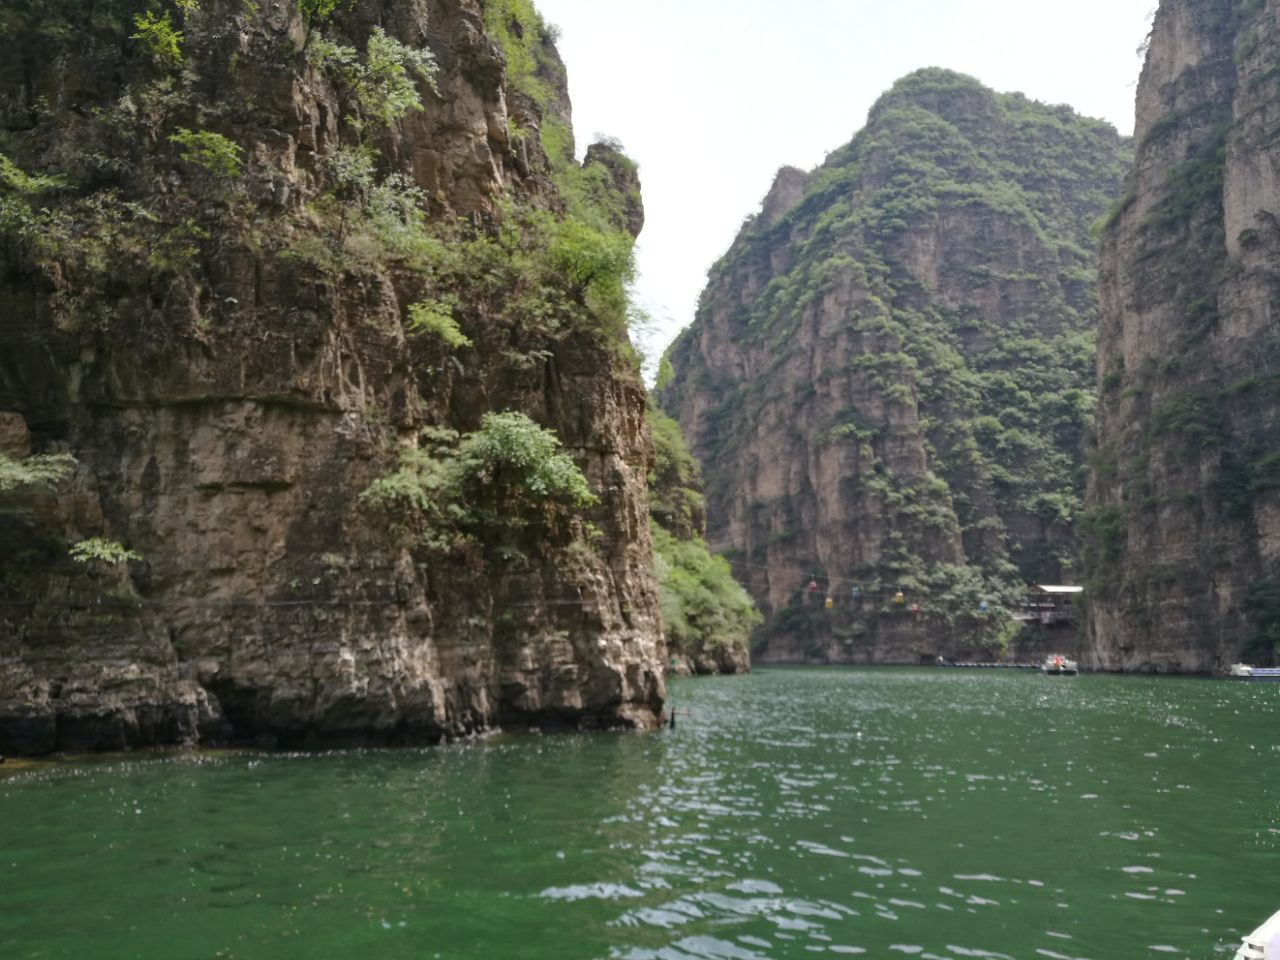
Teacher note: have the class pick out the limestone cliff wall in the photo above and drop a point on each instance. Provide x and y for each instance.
(889, 377)
(1185, 489)
(227, 412)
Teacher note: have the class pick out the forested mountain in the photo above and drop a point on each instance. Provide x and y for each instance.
(890, 377)
(318, 419)
(1184, 547)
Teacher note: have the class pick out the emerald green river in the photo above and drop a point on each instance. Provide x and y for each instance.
(792, 813)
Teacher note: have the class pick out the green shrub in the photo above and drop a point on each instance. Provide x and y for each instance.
(100, 550)
(385, 83)
(385, 86)
(598, 262)
(354, 173)
(158, 36)
(675, 484)
(212, 152)
(452, 489)
(435, 317)
(420, 498)
(703, 607)
(13, 178)
(42, 472)
(510, 454)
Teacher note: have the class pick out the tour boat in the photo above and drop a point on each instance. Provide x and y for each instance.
(1263, 943)
(1058, 665)
(1242, 671)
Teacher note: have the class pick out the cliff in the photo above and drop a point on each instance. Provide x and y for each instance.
(1184, 552)
(890, 375)
(267, 271)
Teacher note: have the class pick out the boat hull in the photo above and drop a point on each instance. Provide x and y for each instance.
(1057, 665)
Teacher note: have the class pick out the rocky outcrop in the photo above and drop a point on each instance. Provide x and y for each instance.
(890, 375)
(724, 661)
(229, 359)
(1184, 557)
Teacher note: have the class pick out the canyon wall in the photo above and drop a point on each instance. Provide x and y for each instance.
(1184, 526)
(234, 352)
(890, 376)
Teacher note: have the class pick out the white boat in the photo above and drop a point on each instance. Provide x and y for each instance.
(1059, 666)
(1242, 671)
(1263, 943)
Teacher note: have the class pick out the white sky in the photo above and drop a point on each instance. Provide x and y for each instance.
(711, 97)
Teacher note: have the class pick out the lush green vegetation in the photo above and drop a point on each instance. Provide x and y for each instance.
(435, 317)
(384, 84)
(17, 181)
(515, 461)
(42, 472)
(160, 38)
(518, 28)
(590, 244)
(675, 484)
(316, 14)
(552, 273)
(83, 239)
(451, 489)
(703, 607)
(101, 550)
(210, 151)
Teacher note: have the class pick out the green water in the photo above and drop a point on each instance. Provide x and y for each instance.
(795, 813)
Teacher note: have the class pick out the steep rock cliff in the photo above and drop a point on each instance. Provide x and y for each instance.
(1184, 553)
(245, 273)
(890, 374)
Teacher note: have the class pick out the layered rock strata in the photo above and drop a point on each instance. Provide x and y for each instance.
(1184, 557)
(890, 375)
(228, 400)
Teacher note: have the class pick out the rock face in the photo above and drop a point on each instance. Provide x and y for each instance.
(1184, 557)
(241, 371)
(891, 371)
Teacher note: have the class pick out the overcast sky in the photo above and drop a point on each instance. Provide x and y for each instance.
(711, 97)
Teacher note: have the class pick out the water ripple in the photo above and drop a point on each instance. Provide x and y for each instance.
(874, 813)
